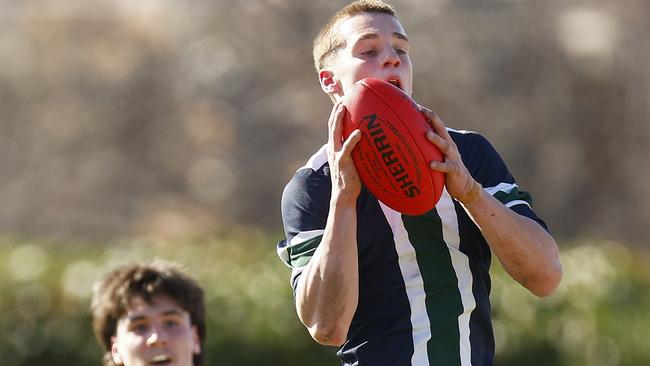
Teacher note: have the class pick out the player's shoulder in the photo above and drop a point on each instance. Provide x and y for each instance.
(465, 135)
(312, 177)
(317, 161)
(314, 168)
(478, 154)
(470, 142)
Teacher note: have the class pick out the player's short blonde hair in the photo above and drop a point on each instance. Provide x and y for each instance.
(328, 42)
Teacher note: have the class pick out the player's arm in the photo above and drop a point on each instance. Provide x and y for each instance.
(328, 289)
(526, 250)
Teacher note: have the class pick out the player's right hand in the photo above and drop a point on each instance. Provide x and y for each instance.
(346, 184)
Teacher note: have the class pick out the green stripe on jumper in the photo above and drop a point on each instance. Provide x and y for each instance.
(514, 195)
(300, 254)
(443, 301)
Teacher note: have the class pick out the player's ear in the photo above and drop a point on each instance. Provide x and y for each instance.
(117, 359)
(196, 340)
(329, 83)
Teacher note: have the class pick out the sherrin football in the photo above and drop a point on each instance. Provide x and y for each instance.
(393, 155)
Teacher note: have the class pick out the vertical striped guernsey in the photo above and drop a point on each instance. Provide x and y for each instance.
(423, 280)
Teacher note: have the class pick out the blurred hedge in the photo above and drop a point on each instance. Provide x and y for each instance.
(599, 315)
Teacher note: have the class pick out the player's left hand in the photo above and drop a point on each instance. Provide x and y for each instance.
(459, 182)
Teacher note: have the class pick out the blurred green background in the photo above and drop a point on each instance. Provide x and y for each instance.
(167, 129)
(599, 315)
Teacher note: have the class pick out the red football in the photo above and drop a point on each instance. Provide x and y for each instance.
(393, 155)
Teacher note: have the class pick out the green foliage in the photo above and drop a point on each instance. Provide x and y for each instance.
(598, 316)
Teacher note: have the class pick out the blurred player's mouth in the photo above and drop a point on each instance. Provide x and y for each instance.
(395, 81)
(160, 360)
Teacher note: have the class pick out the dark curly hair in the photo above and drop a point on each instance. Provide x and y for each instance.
(112, 297)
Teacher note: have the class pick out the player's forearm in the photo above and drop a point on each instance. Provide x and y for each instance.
(527, 252)
(328, 289)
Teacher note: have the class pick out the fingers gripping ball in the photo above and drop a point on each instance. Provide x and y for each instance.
(393, 155)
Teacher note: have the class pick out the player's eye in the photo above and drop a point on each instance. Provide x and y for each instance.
(170, 323)
(139, 327)
(400, 51)
(369, 52)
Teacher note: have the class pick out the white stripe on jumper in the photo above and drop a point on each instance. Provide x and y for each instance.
(506, 188)
(317, 160)
(502, 187)
(460, 262)
(414, 285)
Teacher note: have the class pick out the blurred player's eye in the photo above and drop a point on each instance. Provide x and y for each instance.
(170, 323)
(139, 327)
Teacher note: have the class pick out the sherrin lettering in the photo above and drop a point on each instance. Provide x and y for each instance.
(389, 157)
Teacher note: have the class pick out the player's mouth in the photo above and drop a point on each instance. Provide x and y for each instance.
(395, 81)
(160, 360)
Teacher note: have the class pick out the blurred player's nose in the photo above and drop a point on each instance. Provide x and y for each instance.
(156, 337)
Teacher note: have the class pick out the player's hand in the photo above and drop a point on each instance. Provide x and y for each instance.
(459, 182)
(346, 183)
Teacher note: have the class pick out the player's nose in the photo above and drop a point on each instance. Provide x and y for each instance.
(391, 58)
(156, 337)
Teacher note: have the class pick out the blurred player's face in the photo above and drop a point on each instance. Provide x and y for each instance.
(159, 333)
(375, 46)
